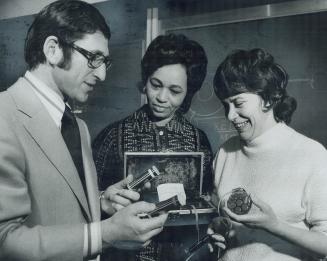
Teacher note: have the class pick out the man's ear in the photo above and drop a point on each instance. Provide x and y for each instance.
(52, 51)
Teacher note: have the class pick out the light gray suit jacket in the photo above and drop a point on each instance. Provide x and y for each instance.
(42, 202)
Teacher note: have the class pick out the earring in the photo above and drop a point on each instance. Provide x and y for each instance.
(266, 106)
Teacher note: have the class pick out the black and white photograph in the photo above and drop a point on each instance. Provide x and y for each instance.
(163, 130)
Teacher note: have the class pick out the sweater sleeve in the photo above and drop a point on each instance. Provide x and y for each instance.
(315, 198)
(106, 156)
(315, 191)
(219, 162)
(207, 164)
(217, 166)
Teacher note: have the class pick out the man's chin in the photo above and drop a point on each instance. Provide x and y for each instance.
(82, 98)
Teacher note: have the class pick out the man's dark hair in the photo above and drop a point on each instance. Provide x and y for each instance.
(68, 21)
(177, 49)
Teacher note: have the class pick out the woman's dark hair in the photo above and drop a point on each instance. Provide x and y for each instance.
(177, 49)
(256, 72)
(69, 21)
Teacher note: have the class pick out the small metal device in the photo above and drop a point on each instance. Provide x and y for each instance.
(172, 203)
(239, 201)
(147, 176)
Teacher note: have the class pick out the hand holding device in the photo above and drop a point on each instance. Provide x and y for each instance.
(220, 225)
(125, 229)
(239, 201)
(147, 176)
(172, 203)
(117, 196)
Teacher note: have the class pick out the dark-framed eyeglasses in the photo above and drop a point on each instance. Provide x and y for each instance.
(94, 60)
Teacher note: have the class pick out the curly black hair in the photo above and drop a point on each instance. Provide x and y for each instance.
(177, 49)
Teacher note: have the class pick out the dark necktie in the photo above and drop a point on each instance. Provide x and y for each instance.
(72, 138)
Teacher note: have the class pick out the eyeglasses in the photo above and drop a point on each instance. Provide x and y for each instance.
(94, 60)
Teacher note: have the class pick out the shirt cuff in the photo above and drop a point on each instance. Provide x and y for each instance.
(92, 239)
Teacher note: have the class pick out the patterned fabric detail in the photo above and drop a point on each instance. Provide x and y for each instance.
(138, 133)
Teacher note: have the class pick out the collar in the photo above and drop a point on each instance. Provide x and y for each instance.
(269, 140)
(53, 103)
(143, 120)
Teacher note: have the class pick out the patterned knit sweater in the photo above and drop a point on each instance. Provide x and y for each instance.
(284, 169)
(137, 133)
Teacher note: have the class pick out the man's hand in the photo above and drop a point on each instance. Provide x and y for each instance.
(126, 230)
(117, 196)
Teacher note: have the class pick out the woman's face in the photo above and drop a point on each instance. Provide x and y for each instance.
(166, 89)
(249, 115)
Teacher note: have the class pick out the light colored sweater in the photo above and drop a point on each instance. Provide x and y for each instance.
(286, 170)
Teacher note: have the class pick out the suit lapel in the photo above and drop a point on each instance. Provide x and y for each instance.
(90, 173)
(46, 134)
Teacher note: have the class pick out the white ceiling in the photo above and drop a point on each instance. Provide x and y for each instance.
(15, 8)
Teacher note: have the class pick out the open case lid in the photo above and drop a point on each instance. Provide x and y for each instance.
(174, 167)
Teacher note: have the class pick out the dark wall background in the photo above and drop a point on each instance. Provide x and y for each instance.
(118, 95)
(297, 42)
(12, 36)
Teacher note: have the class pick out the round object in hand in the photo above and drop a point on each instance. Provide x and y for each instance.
(239, 201)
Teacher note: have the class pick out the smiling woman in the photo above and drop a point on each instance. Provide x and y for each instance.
(252, 88)
(173, 69)
(249, 115)
(284, 171)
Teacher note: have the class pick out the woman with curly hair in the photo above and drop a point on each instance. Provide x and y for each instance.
(173, 70)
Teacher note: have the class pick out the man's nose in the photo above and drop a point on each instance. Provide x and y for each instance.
(101, 72)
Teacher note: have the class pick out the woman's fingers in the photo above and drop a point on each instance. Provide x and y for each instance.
(217, 238)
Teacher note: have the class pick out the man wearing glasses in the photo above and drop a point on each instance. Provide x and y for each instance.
(49, 201)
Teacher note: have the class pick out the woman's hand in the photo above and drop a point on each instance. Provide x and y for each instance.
(216, 240)
(261, 216)
(221, 233)
(116, 196)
